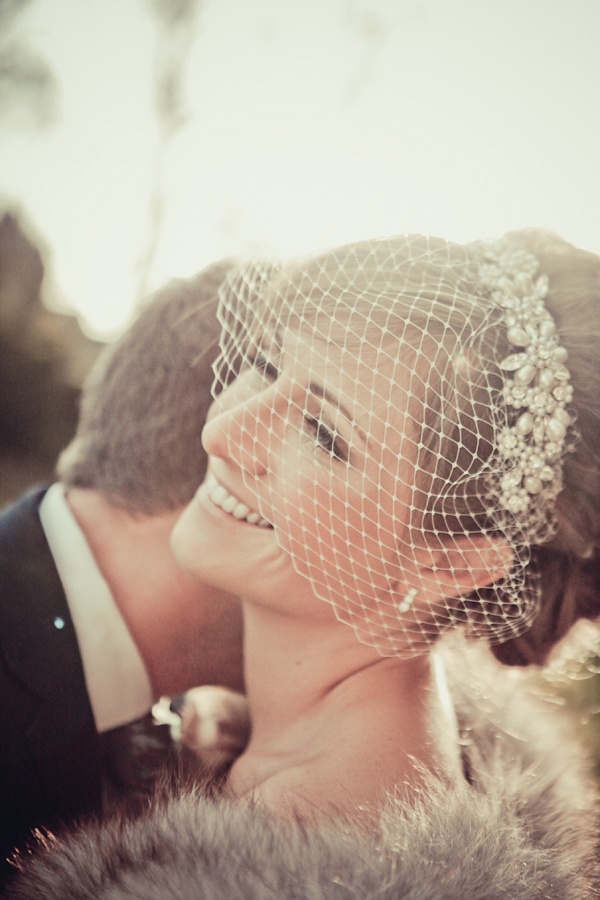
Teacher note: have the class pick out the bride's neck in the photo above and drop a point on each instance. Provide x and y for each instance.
(293, 664)
(317, 694)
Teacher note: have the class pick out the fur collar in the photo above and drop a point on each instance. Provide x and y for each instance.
(522, 827)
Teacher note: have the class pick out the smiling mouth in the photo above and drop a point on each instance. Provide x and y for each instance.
(230, 504)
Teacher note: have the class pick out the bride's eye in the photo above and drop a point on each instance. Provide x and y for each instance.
(326, 440)
(263, 366)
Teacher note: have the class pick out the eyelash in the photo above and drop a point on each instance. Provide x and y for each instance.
(325, 440)
(260, 362)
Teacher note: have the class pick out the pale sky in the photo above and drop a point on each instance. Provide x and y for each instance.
(309, 123)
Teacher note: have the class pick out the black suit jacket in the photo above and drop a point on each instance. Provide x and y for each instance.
(49, 751)
(54, 767)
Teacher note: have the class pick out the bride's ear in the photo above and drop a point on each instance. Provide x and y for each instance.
(459, 565)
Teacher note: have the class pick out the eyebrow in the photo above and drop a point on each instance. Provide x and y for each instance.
(320, 392)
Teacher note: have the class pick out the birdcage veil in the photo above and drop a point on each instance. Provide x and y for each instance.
(415, 391)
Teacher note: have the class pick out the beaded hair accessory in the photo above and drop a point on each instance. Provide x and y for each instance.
(537, 381)
(399, 417)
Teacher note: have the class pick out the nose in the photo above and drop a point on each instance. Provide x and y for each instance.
(244, 431)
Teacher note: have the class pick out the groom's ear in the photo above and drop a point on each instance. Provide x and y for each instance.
(459, 565)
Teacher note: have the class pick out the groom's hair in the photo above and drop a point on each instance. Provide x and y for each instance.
(145, 401)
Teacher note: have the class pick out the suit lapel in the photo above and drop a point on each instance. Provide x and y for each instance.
(40, 648)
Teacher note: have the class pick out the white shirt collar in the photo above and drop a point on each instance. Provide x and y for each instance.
(117, 682)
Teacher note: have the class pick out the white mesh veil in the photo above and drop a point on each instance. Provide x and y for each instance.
(399, 410)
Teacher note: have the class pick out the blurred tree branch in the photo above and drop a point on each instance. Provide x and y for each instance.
(176, 21)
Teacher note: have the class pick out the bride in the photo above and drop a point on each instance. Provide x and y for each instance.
(382, 468)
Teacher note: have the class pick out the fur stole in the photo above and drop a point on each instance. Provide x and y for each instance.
(522, 825)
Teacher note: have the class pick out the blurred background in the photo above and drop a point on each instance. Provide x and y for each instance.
(143, 139)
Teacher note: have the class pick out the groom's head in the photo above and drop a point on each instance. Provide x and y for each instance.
(144, 403)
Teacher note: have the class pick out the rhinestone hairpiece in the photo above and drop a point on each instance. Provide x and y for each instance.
(537, 384)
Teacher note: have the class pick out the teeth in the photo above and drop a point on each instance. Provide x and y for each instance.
(230, 504)
(241, 511)
(218, 494)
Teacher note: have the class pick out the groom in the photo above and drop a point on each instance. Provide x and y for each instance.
(96, 619)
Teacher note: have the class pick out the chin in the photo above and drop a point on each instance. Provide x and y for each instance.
(226, 558)
(188, 542)
(236, 557)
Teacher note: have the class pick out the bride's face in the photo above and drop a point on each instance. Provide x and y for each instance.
(303, 493)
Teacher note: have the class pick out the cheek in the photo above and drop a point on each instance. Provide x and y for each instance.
(341, 540)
